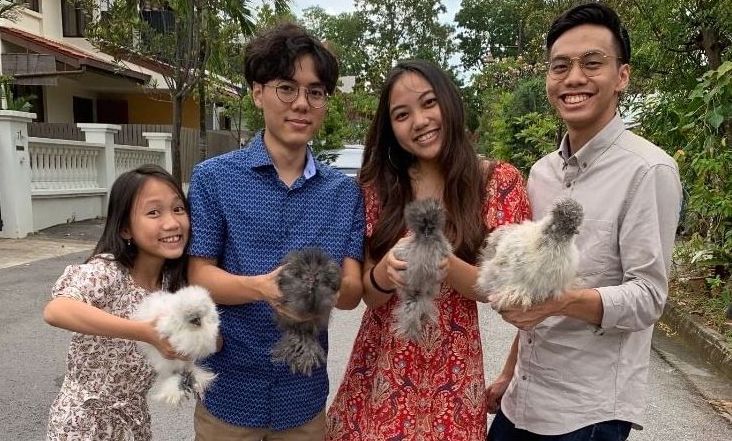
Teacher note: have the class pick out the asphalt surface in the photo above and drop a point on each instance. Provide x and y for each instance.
(33, 365)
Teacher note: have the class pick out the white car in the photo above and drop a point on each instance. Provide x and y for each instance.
(348, 159)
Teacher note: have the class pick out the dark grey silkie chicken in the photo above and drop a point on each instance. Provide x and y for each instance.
(529, 263)
(309, 283)
(424, 253)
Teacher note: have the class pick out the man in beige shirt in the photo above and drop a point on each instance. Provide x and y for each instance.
(578, 366)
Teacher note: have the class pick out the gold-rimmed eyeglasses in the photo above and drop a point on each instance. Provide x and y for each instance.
(287, 92)
(591, 63)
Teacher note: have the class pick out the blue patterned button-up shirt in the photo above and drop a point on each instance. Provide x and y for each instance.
(247, 219)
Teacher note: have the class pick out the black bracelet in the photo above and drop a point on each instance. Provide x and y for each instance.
(376, 285)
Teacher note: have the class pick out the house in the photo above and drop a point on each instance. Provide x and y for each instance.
(73, 82)
(94, 119)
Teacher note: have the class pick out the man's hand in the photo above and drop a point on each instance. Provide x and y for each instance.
(270, 291)
(531, 317)
(267, 287)
(494, 392)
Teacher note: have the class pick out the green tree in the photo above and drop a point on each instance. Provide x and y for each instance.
(182, 48)
(490, 29)
(344, 34)
(399, 29)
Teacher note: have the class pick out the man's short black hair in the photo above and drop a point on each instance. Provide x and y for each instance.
(596, 14)
(273, 55)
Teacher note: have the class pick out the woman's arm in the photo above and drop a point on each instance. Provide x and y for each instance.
(351, 291)
(462, 276)
(494, 392)
(387, 274)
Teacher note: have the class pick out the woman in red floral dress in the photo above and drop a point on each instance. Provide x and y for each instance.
(417, 148)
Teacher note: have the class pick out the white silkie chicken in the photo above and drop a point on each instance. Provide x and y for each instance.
(189, 320)
(529, 263)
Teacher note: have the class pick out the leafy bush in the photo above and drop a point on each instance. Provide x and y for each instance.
(697, 129)
(21, 103)
(518, 126)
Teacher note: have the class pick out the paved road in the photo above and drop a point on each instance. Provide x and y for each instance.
(33, 367)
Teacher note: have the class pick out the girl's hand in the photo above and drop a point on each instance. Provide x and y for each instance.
(162, 344)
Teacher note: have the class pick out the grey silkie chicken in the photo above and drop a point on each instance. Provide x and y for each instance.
(309, 283)
(424, 252)
(529, 263)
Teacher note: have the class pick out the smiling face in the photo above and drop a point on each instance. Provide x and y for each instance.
(290, 125)
(587, 104)
(158, 224)
(416, 118)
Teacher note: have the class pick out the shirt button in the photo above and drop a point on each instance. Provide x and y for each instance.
(568, 184)
(530, 341)
(523, 377)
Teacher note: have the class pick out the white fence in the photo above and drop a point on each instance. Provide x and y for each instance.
(58, 165)
(46, 182)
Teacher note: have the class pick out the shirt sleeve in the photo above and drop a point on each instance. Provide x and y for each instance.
(89, 282)
(356, 239)
(207, 222)
(645, 238)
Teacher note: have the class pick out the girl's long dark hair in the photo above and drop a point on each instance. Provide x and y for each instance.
(386, 168)
(121, 201)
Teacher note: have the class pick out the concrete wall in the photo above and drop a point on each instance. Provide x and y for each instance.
(151, 108)
(45, 182)
(28, 20)
(51, 10)
(59, 99)
(54, 210)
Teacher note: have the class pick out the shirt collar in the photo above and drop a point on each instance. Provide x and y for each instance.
(259, 156)
(595, 146)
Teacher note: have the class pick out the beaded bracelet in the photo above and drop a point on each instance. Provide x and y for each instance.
(376, 285)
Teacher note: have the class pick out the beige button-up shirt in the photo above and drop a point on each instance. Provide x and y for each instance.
(570, 374)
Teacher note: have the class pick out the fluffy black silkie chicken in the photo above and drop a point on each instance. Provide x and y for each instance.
(309, 283)
(529, 263)
(423, 252)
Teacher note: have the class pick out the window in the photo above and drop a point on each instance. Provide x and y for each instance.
(34, 95)
(83, 110)
(159, 17)
(73, 18)
(33, 5)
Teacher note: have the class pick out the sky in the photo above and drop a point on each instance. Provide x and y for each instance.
(338, 6)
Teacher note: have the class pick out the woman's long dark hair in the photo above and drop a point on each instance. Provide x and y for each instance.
(122, 198)
(386, 168)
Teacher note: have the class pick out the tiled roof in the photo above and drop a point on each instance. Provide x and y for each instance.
(65, 53)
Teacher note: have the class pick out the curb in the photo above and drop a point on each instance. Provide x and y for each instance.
(710, 344)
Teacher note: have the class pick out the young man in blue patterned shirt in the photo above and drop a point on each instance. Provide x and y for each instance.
(249, 208)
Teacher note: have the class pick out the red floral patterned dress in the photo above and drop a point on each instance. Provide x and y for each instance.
(394, 389)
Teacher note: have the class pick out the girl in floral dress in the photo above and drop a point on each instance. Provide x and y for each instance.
(417, 148)
(141, 250)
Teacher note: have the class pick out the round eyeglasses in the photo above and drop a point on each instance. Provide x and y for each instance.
(288, 92)
(592, 64)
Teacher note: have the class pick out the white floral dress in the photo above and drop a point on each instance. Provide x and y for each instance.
(107, 379)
